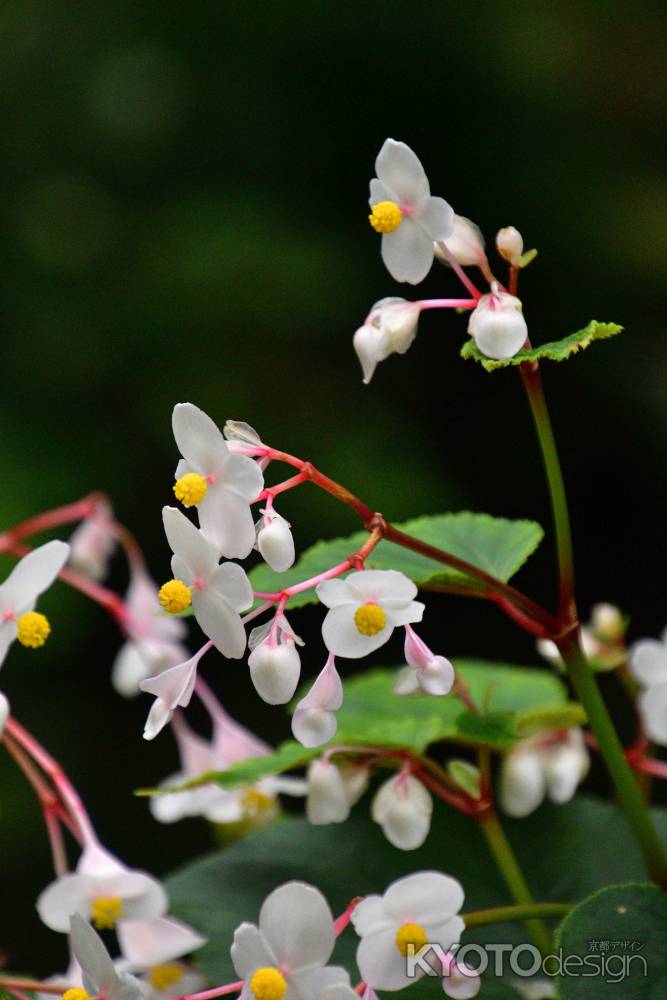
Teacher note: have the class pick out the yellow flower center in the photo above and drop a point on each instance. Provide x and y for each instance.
(268, 984)
(161, 977)
(370, 619)
(105, 911)
(385, 217)
(190, 489)
(76, 993)
(410, 934)
(255, 802)
(33, 629)
(174, 596)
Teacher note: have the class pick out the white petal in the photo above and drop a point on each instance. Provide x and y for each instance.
(250, 951)
(400, 170)
(297, 923)
(128, 670)
(313, 727)
(4, 711)
(522, 783)
(220, 623)
(188, 543)
(565, 766)
(498, 325)
(142, 895)
(403, 807)
(380, 962)
(276, 544)
(406, 681)
(408, 614)
(151, 942)
(67, 895)
(99, 974)
(334, 593)
(226, 521)
(275, 670)
(174, 686)
(437, 218)
(339, 991)
(653, 708)
(382, 586)
(371, 346)
(438, 677)
(370, 915)
(427, 897)
(343, 638)
(230, 581)
(466, 244)
(327, 691)
(8, 631)
(33, 575)
(157, 719)
(648, 661)
(199, 439)
(408, 252)
(314, 984)
(244, 476)
(173, 807)
(328, 801)
(379, 192)
(461, 983)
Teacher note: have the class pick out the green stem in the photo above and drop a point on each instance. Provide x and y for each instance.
(532, 380)
(627, 788)
(511, 872)
(504, 914)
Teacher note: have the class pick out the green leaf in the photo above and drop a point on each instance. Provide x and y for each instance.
(624, 926)
(496, 729)
(494, 544)
(555, 350)
(559, 848)
(561, 717)
(466, 776)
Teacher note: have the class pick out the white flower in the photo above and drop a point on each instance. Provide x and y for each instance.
(102, 890)
(171, 980)
(145, 943)
(550, 764)
(389, 328)
(314, 722)
(153, 637)
(4, 711)
(466, 244)
(418, 909)
(18, 595)
(172, 689)
(98, 973)
(403, 808)
(215, 480)
(93, 542)
(648, 664)
(406, 214)
(274, 541)
(509, 244)
(497, 325)
(218, 592)
(434, 674)
(285, 957)
(333, 790)
(366, 607)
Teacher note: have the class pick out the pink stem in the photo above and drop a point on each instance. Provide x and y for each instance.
(218, 991)
(49, 519)
(458, 270)
(649, 765)
(14, 985)
(287, 484)
(448, 303)
(341, 922)
(288, 592)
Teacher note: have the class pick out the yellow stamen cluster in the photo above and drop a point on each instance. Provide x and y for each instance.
(190, 489)
(385, 217)
(174, 596)
(268, 984)
(161, 977)
(370, 619)
(410, 934)
(76, 993)
(255, 802)
(33, 629)
(105, 911)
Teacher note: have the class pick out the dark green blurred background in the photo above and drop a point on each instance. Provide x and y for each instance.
(184, 218)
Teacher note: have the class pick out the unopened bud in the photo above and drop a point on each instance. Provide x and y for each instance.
(92, 544)
(607, 622)
(498, 326)
(314, 722)
(328, 800)
(238, 430)
(403, 808)
(390, 328)
(274, 670)
(275, 542)
(509, 244)
(466, 244)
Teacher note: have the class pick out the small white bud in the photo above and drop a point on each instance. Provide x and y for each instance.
(275, 542)
(328, 800)
(466, 244)
(403, 808)
(390, 328)
(314, 722)
(509, 244)
(607, 622)
(498, 326)
(371, 345)
(522, 782)
(238, 430)
(93, 543)
(275, 670)
(566, 766)
(435, 674)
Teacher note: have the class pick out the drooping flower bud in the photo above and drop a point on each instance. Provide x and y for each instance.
(403, 808)
(389, 328)
(274, 541)
(314, 722)
(498, 326)
(274, 669)
(459, 981)
(509, 244)
(238, 430)
(466, 244)
(333, 790)
(607, 622)
(93, 542)
(435, 674)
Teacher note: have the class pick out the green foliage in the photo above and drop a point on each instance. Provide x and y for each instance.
(636, 914)
(555, 350)
(559, 848)
(494, 544)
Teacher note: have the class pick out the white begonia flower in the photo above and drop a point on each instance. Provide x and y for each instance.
(146, 943)
(218, 482)
(466, 244)
(4, 711)
(550, 764)
(274, 541)
(284, 958)
(154, 639)
(497, 325)
(333, 790)
(648, 664)
(171, 980)
(365, 608)
(509, 244)
(99, 976)
(275, 668)
(434, 674)
(416, 910)
(18, 595)
(218, 592)
(94, 541)
(389, 328)
(405, 213)
(314, 722)
(403, 807)
(103, 890)
(172, 689)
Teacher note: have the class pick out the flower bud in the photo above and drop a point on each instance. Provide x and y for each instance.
(275, 542)
(92, 544)
(466, 244)
(238, 430)
(403, 808)
(328, 800)
(566, 766)
(498, 326)
(390, 328)
(371, 345)
(314, 722)
(459, 981)
(509, 244)
(435, 674)
(4, 711)
(522, 782)
(274, 670)
(607, 622)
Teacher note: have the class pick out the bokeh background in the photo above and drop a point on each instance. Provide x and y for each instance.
(184, 218)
